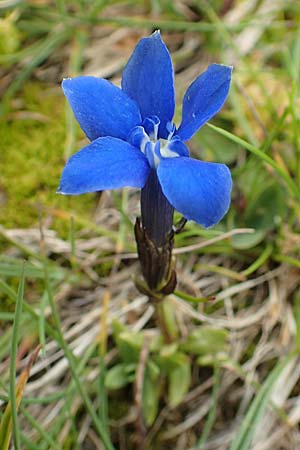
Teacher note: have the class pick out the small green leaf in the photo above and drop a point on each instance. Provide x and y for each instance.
(247, 240)
(156, 343)
(169, 358)
(267, 209)
(166, 314)
(117, 328)
(153, 368)
(168, 350)
(215, 359)
(150, 398)
(205, 341)
(179, 381)
(129, 345)
(117, 376)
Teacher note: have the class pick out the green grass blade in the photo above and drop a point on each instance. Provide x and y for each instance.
(49, 44)
(7, 316)
(13, 359)
(41, 322)
(103, 406)
(213, 409)
(243, 439)
(259, 261)
(28, 444)
(9, 421)
(262, 156)
(44, 435)
(99, 425)
(190, 298)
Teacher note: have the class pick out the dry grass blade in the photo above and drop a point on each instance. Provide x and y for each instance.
(6, 421)
(227, 235)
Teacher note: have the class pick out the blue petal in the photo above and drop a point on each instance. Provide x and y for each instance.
(138, 138)
(176, 145)
(106, 163)
(148, 78)
(203, 99)
(151, 126)
(101, 108)
(198, 190)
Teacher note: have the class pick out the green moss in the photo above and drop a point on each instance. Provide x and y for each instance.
(31, 159)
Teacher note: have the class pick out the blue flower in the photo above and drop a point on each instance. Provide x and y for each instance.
(132, 133)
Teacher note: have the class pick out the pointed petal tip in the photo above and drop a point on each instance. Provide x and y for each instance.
(229, 69)
(156, 35)
(222, 67)
(66, 85)
(66, 81)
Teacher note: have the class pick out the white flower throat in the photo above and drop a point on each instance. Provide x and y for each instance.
(146, 138)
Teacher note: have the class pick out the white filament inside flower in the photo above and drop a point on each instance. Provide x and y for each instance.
(145, 137)
(154, 149)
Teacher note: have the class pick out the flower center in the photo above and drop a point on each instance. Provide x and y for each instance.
(146, 138)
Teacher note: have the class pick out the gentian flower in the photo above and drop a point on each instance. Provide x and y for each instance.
(135, 143)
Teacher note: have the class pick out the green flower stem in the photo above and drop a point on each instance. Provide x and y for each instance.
(166, 319)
